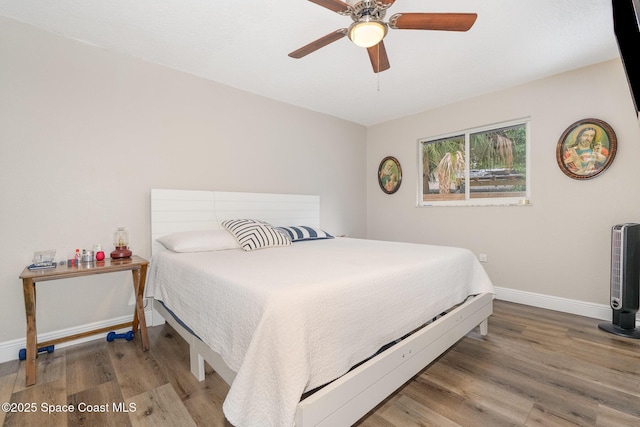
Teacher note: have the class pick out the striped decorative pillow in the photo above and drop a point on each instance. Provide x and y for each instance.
(253, 234)
(300, 233)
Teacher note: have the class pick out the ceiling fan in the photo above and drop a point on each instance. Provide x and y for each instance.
(368, 28)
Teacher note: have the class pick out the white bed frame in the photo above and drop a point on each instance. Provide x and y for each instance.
(344, 401)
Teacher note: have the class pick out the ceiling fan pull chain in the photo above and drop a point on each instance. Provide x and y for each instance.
(378, 73)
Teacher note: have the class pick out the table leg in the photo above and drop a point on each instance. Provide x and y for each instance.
(136, 289)
(28, 287)
(139, 279)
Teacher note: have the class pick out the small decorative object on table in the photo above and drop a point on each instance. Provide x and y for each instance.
(43, 260)
(87, 256)
(121, 242)
(99, 252)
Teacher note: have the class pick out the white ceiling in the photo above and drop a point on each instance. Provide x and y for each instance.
(244, 44)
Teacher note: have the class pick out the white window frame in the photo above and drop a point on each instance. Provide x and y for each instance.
(468, 201)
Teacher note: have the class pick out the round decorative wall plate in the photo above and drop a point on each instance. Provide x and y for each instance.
(389, 175)
(586, 149)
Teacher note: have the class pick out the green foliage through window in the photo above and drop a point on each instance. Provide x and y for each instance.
(497, 165)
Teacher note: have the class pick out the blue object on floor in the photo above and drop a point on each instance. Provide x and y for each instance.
(127, 336)
(22, 354)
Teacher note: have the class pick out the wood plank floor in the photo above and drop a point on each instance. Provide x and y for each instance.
(535, 368)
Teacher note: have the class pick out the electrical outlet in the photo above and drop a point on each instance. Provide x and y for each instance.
(483, 258)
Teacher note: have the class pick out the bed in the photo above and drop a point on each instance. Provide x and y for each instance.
(280, 322)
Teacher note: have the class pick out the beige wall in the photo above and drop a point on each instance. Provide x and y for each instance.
(86, 133)
(560, 245)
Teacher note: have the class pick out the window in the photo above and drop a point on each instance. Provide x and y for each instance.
(496, 172)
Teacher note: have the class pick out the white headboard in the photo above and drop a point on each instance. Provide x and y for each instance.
(184, 210)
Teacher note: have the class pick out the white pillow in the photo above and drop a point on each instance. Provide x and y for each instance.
(199, 241)
(254, 234)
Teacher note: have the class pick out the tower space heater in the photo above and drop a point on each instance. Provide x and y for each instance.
(625, 280)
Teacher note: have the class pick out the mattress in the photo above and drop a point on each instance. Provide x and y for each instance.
(290, 319)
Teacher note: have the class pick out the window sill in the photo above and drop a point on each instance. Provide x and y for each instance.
(519, 203)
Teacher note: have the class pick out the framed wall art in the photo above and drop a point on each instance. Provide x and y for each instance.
(389, 175)
(586, 149)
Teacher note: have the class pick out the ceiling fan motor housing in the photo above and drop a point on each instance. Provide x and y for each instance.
(366, 10)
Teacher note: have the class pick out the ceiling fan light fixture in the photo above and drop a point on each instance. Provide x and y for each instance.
(367, 33)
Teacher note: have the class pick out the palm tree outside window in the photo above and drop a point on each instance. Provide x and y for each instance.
(478, 166)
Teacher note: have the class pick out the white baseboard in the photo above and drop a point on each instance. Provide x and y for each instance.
(581, 308)
(9, 350)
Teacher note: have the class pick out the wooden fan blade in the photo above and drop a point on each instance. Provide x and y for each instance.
(317, 44)
(378, 57)
(335, 5)
(433, 21)
(387, 3)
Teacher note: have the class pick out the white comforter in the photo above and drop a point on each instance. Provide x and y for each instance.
(290, 319)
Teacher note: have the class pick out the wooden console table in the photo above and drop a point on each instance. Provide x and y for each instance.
(135, 264)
